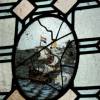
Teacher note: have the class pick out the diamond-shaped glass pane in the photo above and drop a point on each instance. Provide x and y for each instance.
(23, 9)
(15, 96)
(70, 95)
(64, 5)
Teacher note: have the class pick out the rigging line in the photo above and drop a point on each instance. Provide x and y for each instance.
(59, 29)
(46, 29)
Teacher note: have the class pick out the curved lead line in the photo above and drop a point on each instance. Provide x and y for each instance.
(46, 29)
(61, 60)
(59, 29)
(43, 49)
(66, 49)
(51, 30)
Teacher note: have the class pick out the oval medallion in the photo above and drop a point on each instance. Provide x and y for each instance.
(46, 58)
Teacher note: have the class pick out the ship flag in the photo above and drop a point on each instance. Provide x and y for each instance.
(43, 39)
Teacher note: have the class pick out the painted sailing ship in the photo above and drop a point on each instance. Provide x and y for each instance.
(51, 63)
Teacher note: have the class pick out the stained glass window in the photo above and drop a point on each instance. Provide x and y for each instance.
(49, 49)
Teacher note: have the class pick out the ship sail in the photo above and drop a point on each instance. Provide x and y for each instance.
(43, 54)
